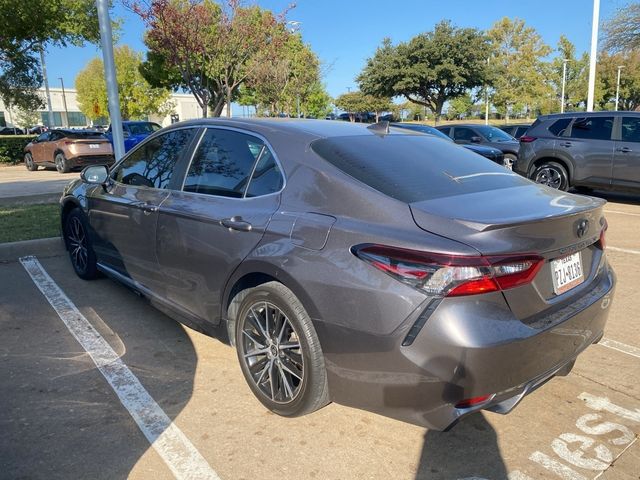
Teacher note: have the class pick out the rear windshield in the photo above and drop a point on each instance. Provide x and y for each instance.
(494, 134)
(81, 135)
(143, 128)
(413, 168)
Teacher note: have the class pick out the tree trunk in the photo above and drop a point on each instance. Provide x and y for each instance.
(216, 108)
(228, 100)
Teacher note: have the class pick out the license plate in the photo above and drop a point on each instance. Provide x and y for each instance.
(567, 273)
(94, 145)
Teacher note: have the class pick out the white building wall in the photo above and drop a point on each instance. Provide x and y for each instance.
(185, 108)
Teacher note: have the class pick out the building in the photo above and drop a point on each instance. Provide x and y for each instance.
(185, 108)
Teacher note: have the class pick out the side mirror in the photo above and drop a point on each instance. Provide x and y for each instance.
(95, 175)
(476, 139)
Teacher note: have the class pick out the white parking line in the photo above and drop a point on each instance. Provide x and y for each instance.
(167, 439)
(621, 347)
(623, 213)
(624, 250)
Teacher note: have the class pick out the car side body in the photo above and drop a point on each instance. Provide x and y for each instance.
(596, 150)
(68, 149)
(134, 132)
(198, 239)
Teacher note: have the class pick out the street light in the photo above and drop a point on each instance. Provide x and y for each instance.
(486, 92)
(620, 67)
(564, 81)
(64, 102)
(594, 52)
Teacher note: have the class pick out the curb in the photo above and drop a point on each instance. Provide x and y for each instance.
(37, 199)
(42, 247)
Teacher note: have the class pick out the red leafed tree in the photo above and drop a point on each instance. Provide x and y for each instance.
(207, 47)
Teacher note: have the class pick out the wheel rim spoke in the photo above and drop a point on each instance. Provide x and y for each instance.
(272, 353)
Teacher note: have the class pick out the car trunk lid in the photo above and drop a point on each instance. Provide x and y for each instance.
(531, 219)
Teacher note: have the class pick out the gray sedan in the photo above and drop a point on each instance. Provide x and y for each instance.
(376, 268)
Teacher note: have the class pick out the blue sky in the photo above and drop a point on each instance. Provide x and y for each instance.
(345, 33)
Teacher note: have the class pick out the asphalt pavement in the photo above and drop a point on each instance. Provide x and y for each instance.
(98, 384)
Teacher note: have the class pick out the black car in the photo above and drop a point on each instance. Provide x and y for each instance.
(11, 131)
(492, 154)
(583, 150)
(516, 130)
(484, 135)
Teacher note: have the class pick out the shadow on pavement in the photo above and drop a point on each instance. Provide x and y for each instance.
(469, 450)
(58, 415)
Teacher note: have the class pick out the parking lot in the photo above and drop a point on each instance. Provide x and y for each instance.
(62, 417)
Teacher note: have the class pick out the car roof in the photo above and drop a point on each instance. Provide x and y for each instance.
(306, 127)
(607, 113)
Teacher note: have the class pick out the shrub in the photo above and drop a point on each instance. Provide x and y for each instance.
(12, 148)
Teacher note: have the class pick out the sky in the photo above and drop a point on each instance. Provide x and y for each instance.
(344, 33)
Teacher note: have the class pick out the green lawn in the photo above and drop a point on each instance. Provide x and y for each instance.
(29, 221)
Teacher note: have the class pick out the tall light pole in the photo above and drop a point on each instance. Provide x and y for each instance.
(564, 81)
(106, 39)
(64, 102)
(486, 93)
(620, 67)
(46, 87)
(594, 53)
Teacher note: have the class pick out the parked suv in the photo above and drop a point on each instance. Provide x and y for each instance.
(68, 149)
(583, 150)
(484, 135)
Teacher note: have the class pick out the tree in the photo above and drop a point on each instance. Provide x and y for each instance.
(205, 48)
(460, 107)
(137, 98)
(26, 27)
(317, 103)
(430, 69)
(27, 118)
(577, 75)
(629, 79)
(358, 102)
(622, 31)
(518, 70)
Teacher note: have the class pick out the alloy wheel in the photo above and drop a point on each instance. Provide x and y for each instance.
(550, 177)
(77, 241)
(59, 164)
(271, 350)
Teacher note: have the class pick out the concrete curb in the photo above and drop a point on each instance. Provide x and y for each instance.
(42, 247)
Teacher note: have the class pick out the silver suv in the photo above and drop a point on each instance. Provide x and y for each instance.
(583, 150)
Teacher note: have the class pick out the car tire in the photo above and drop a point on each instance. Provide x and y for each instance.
(551, 174)
(279, 351)
(78, 242)
(29, 163)
(509, 160)
(62, 166)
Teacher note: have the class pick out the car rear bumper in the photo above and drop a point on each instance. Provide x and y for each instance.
(464, 350)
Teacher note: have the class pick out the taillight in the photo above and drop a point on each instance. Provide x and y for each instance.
(527, 139)
(603, 242)
(69, 142)
(451, 275)
(474, 402)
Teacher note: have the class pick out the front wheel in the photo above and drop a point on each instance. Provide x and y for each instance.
(76, 238)
(62, 166)
(551, 174)
(279, 351)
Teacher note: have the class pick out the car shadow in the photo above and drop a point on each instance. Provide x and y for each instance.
(469, 450)
(60, 418)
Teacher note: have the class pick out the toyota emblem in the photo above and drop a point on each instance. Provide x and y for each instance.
(583, 226)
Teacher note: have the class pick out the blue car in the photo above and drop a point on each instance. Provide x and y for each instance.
(134, 132)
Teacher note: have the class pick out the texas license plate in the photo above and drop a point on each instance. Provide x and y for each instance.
(567, 273)
(94, 145)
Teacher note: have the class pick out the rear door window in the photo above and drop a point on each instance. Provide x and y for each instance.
(560, 126)
(631, 129)
(446, 131)
(223, 163)
(463, 135)
(592, 128)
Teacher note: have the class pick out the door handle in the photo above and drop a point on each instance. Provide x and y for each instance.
(236, 223)
(147, 208)
(565, 144)
(624, 150)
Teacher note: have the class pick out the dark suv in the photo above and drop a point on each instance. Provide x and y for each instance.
(583, 150)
